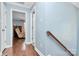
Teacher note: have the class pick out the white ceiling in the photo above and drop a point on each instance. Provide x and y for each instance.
(30, 4)
(76, 4)
(27, 4)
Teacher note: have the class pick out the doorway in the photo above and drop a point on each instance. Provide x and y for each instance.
(18, 25)
(18, 19)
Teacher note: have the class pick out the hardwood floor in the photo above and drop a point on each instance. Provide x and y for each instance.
(20, 49)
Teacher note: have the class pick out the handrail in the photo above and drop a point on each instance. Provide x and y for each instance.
(50, 34)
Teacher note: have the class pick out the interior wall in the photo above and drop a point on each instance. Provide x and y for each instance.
(18, 23)
(61, 20)
(78, 32)
(0, 26)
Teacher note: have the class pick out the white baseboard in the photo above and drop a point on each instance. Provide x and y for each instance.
(28, 42)
(39, 52)
(0, 53)
(8, 46)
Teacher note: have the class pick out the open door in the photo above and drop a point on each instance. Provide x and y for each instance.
(18, 31)
(3, 27)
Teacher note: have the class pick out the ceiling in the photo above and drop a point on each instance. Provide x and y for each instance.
(27, 4)
(76, 4)
(30, 4)
(18, 16)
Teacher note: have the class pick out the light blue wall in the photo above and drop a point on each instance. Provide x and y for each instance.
(18, 23)
(61, 20)
(0, 26)
(0, 31)
(8, 22)
(78, 32)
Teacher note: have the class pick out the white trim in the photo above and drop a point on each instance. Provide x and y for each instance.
(28, 43)
(39, 52)
(11, 28)
(33, 31)
(0, 53)
(19, 5)
(31, 27)
(26, 26)
(3, 27)
(8, 46)
(18, 10)
(13, 9)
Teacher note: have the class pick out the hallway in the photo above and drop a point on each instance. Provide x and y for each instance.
(39, 28)
(20, 49)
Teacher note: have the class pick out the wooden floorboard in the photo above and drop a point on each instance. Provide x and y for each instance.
(20, 49)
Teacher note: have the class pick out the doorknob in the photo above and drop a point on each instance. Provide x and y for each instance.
(3, 29)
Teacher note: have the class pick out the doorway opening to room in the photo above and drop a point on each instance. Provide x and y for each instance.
(20, 47)
(18, 19)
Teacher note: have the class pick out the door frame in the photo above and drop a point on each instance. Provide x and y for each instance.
(2, 40)
(25, 25)
(3, 28)
(33, 26)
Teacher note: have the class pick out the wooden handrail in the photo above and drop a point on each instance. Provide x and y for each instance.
(50, 34)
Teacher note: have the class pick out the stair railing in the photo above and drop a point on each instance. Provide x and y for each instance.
(64, 47)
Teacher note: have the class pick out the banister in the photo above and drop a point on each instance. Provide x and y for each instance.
(50, 34)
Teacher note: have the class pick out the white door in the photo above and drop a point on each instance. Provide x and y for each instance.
(3, 27)
(33, 27)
